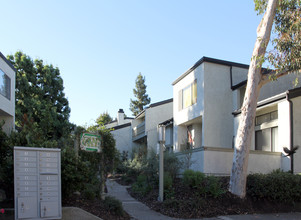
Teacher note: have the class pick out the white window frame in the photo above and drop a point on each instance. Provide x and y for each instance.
(270, 124)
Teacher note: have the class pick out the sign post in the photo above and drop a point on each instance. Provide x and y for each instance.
(92, 143)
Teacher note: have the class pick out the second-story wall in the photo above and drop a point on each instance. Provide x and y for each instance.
(217, 121)
(154, 115)
(7, 96)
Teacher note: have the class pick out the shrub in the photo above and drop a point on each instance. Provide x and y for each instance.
(171, 164)
(113, 205)
(75, 172)
(203, 185)
(276, 186)
(193, 178)
(214, 186)
(168, 183)
(141, 186)
(91, 191)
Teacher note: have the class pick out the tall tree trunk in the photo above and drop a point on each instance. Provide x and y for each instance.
(248, 110)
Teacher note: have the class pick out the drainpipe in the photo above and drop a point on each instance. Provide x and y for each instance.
(291, 121)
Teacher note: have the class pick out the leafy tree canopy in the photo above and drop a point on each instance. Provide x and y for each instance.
(41, 107)
(103, 119)
(286, 39)
(137, 106)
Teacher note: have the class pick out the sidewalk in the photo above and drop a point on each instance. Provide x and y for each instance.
(139, 211)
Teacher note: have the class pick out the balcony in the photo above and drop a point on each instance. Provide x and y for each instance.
(138, 131)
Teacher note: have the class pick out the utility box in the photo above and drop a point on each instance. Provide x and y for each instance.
(37, 178)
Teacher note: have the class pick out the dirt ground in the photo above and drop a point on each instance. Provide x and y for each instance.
(186, 203)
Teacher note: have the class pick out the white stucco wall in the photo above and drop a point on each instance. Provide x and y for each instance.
(217, 118)
(123, 138)
(239, 75)
(154, 116)
(7, 107)
(276, 87)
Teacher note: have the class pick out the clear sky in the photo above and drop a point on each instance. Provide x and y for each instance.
(100, 46)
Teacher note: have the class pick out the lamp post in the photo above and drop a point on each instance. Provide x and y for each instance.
(161, 138)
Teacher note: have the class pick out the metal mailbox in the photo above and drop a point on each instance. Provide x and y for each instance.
(37, 178)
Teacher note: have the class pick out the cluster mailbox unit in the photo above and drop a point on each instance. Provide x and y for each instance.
(37, 178)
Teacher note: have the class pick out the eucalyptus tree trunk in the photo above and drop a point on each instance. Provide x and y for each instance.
(248, 110)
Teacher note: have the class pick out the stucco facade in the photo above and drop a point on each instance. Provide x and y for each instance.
(144, 126)
(7, 94)
(121, 131)
(209, 121)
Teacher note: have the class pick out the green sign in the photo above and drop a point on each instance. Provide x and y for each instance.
(90, 142)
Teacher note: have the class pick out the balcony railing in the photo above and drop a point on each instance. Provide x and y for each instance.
(139, 130)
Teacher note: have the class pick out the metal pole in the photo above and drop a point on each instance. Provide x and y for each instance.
(161, 173)
(161, 138)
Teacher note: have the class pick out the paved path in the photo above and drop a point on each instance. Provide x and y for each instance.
(139, 211)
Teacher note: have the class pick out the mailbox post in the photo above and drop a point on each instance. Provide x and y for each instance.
(37, 178)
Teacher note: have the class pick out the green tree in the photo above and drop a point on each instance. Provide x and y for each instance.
(103, 119)
(42, 111)
(284, 18)
(136, 106)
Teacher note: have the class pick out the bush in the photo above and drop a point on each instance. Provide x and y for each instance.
(214, 186)
(209, 185)
(113, 205)
(168, 183)
(276, 186)
(91, 191)
(75, 173)
(193, 178)
(172, 164)
(141, 186)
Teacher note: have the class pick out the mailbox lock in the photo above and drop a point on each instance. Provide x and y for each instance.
(44, 210)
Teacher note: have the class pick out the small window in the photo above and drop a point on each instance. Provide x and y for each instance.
(266, 118)
(188, 96)
(4, 85)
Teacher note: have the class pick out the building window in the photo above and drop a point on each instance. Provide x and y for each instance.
(266, 139)
(266, 132)
(4, 85)
(266, 118)
(188, 95)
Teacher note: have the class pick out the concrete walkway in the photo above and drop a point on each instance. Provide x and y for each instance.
(139, 211)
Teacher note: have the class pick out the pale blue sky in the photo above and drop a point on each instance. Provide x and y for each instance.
(101, 46)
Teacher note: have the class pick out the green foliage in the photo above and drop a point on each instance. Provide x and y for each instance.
(6, 164)
(103, 119)
(142, 186)
(193, 178)
(136, 106)
(285, 55)
(214, 186)
(168, 186)
(113, 205)
(42, 111)
(172, 164)
(75, 173)
(276, 186)
(91, 191)
(204, 185)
